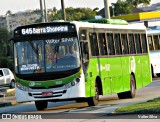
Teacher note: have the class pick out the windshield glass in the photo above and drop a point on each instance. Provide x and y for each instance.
(49, 55)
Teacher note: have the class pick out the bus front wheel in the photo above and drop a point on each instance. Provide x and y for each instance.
(41, 105)
(158, 74)
(93, 101)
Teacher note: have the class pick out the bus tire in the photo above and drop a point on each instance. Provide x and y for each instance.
(41, 105)
(121, 95)
(132, 92)
(93, 101)
(80, 100)
(158, 74)
(152, 71)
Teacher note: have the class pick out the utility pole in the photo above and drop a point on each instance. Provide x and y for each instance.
(63, 10)
(45, 11)
(42, 10)
(106, 9)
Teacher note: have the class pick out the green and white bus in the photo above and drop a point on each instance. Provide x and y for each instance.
(153, 34)
(79, 61)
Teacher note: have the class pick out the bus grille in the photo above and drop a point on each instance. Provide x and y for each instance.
(54, 94)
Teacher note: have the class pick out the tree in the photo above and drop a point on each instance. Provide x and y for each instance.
(120, 7)
(135, 3)
(75, 14)
(8, 13)
(5, 58)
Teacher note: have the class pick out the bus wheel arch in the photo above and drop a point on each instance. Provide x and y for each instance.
(152, 71)
(99, 84)
(131, 93)
(93, 101)
(134, 80)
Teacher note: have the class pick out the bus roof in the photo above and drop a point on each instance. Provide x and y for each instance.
(85, 24)
(108, 26)
(108, 21)
(153, 30)
(149, 32)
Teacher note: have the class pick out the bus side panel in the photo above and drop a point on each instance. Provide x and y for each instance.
(138, 72)
(92, 73)
(125, 73)
(155, 61)
(87, 84)
(104, 67)
(115, 74)
(146, 70)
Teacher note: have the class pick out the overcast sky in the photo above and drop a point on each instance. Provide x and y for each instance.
(22, 5)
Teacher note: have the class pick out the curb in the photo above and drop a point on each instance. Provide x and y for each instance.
(4, 92)
(3, 104)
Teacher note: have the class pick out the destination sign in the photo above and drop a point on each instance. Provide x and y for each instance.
(44, 30)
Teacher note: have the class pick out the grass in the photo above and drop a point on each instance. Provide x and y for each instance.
(151, 106)
(10, 94)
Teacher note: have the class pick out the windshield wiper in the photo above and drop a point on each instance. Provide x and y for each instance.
(35, 49)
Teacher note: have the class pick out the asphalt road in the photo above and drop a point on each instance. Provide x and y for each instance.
(71, 109)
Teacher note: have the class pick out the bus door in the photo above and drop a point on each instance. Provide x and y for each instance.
(85, 58)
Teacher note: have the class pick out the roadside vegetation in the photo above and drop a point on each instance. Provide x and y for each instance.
(151, 106)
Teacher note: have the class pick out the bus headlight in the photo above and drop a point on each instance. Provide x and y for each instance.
(73, 83)
(21, 87)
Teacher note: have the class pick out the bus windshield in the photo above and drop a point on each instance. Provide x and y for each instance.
(48, 55)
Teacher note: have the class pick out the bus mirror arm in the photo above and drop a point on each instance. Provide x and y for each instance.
(86, 48)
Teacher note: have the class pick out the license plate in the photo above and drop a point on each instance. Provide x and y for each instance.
(47, 93)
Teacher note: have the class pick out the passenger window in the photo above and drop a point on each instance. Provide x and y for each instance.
(131, 44)
(156, 42)
(83, 35)
(111, 50)
(1, 73)
(117, 44)
(6, 72)
(93, 44)
(144, 43)
(102, 43)
(124, 44)
(138, 43)
(150, 41)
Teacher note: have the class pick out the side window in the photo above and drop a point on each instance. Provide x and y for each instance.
(93, 44)
(1, 73)
(156, 42)
(150, 42)
(111, 50)
(117, 44)
(6, 72)
(83, 35)
(124, 44)
(102, 43)
(144, 43)
(138, 43)
(131, 44)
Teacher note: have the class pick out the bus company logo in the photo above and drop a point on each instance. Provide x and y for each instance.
(105, 67)
(32, 84)
(58, 82)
